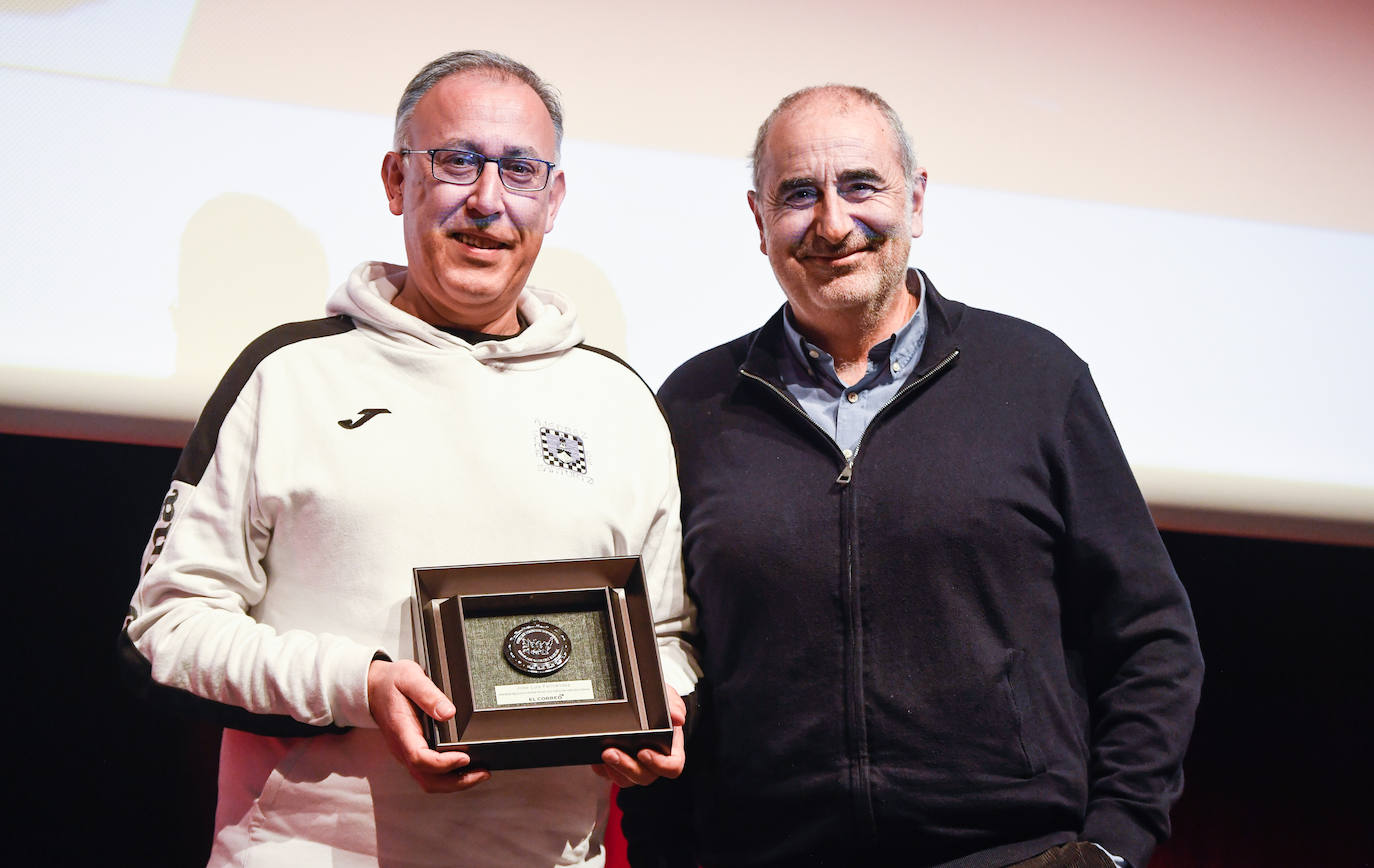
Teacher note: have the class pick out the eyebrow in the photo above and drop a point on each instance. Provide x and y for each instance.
(469, 145)
(848, 176)
(791, 184)
(861, 175)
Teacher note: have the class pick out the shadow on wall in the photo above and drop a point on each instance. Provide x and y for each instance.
(246, 265)
(598, 307)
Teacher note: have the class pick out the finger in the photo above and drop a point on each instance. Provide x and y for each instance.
(402, 729)
(678, 748)
(416, 686)
(619, 767)
(631, 770)
(403, 744)
(668, 765)
(661, 765)
(451, 783)
(665, 765)
(468, 780)
(612, 757)
(438, 762)
(615, 777)
(651, 770)
(677, 709)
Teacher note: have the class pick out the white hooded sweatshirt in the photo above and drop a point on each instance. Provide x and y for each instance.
(335, 457)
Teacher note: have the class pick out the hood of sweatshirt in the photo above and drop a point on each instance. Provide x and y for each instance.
(551, 320)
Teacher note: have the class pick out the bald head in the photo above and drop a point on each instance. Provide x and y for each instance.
(840, 98)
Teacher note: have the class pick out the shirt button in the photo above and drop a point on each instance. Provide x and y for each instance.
(848, 453)
(813, 354)
(852, 397)
(896, 366)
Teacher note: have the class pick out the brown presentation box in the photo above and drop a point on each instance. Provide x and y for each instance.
(609, 693)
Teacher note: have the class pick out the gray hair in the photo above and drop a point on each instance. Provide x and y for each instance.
(467, 61)
(905, 152)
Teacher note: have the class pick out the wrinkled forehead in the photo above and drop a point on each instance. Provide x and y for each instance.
(829, 135)
(828, 155)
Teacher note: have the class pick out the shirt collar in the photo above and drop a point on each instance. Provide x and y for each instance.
(902, 348)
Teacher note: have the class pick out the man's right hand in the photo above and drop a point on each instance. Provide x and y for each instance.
(394, 692)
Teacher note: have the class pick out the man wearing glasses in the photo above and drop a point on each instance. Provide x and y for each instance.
(445, 413)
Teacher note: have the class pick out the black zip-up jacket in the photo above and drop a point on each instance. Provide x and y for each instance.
(964, 647)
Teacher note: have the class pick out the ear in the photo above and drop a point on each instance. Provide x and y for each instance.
(393, 178)
(758, 221)
(918, 203)
(558, 188)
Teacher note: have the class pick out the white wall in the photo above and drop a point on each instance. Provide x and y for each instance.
(179, 177)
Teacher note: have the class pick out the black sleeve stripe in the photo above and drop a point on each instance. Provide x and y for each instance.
(613, 357)
(201, 445)
(137, 675)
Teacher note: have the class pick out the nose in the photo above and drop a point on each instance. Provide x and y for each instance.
(833, 222)
(486, 195)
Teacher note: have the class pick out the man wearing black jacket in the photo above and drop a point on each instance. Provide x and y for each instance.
(937, 624)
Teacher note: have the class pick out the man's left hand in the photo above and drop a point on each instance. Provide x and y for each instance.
(648, 765)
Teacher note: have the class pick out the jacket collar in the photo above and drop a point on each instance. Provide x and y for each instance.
(943, 317)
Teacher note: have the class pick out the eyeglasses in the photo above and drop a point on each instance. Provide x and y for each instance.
(520, 174)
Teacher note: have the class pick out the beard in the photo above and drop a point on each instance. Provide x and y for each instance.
(864, 287)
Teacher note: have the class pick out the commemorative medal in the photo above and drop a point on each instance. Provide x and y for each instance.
(537, 648)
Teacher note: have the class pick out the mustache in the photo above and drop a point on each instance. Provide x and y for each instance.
(860, 238)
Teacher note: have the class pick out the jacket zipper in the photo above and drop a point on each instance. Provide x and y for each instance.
(788, 401)
(848, 472)
(854, 706)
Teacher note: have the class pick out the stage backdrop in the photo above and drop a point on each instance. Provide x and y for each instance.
(1179, 190)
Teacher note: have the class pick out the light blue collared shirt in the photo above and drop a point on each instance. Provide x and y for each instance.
(843, 411)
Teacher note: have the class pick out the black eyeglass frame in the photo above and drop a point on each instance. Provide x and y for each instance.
(500, 168)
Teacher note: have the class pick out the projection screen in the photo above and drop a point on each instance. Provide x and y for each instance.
(1180, 191)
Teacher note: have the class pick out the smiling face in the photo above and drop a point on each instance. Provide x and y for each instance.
(834, 210)
(470, 248)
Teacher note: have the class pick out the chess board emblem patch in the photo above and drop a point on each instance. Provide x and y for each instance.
(564, 450)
